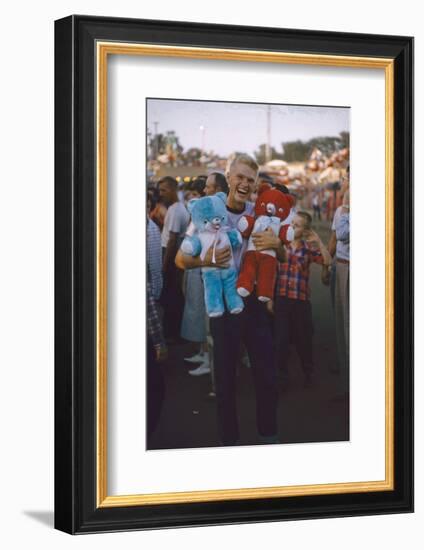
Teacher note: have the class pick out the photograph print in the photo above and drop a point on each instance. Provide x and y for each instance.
(247, 248)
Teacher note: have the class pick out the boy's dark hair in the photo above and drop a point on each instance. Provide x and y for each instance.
(220, 182)
(266, 177)
(171, 182)
(281, 187)
(153, 196)
(307, 217)
(198, 185)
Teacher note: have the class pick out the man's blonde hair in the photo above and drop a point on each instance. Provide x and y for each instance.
(242, 159)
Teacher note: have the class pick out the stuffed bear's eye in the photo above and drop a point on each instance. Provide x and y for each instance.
(205, 222)
(223, 218)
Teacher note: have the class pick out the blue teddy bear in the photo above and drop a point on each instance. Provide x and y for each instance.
(209, 220)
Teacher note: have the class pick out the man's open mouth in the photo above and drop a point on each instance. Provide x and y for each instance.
(242, 192)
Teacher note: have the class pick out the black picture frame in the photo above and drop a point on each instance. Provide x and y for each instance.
(76, 509)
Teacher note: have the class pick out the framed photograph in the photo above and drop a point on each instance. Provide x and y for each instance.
(234, 274)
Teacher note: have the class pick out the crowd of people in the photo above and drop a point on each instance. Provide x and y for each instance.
(260, 335)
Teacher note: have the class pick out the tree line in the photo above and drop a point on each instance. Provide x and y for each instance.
(291, 151)
(299, 151)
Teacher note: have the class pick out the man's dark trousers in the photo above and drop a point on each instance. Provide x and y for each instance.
(253, 328)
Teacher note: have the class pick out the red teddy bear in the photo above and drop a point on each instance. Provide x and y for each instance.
(273, 209)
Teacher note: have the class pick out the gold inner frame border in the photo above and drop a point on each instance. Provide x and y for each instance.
(103, 50)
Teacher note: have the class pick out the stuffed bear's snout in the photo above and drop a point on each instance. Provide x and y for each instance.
(270, 208)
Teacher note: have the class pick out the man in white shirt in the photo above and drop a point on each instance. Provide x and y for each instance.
(252, 326)
(339, 246)
(175, 225)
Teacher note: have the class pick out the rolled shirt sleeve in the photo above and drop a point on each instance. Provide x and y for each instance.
(342, 228)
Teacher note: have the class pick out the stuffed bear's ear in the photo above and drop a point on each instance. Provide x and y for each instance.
(264, 186)
(222, 196)
(190, 204)
(292, 200)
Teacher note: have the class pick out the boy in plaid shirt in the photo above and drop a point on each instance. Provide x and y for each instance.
(292, 309)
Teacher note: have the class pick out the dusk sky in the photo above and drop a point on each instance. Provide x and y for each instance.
(242, 126)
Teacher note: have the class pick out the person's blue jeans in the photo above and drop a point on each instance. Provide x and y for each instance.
(253, 328)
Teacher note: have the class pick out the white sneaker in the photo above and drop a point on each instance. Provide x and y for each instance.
(246, 361)
(204, 368)
(243, 292)
(198, 358)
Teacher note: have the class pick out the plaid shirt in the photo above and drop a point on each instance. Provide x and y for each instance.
(154, 327)
(293, 275)
(154, 258)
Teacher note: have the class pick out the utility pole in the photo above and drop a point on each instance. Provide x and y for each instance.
(155, 124)
(202, 139)
(268, 134)
(149, 145)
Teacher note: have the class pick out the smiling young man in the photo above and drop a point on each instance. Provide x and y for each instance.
(252, 326)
